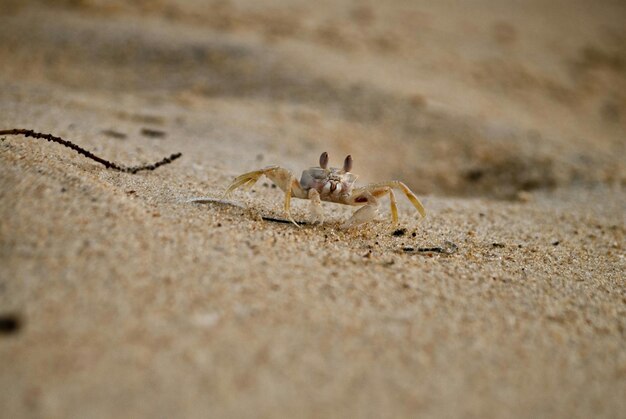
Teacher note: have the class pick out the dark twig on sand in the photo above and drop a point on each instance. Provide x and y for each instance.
(447, 249)
(209, 200)
(280, 220)
(90, 155)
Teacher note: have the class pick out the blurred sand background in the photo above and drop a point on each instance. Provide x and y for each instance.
(507, 118)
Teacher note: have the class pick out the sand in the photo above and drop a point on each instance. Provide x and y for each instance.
(120, 298)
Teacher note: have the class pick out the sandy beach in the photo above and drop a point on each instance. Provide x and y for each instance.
(120, 297)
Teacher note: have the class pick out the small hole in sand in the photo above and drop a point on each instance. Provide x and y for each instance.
(9, 324)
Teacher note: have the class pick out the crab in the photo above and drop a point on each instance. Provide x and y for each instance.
(332, 184)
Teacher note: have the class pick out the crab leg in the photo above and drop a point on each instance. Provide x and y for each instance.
(394, 184)
(288, 202)
(393, 205)
(317, 212)
(283, 178)
(368, 196)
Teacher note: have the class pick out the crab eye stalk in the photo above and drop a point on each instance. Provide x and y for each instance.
(347, 164)
(324, 160)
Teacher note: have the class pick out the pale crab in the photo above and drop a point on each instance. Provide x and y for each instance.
(332, 185)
